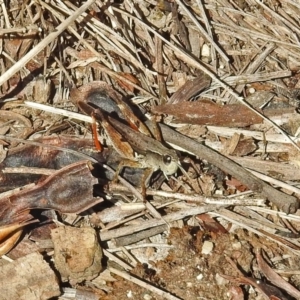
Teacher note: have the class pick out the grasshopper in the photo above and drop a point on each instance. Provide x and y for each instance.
(137, 148)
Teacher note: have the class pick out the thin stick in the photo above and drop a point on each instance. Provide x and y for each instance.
(40, 46)
(112, 257)
(26, 29)
(143, 284)
(258, 135)
(276, 182)
(179, 215)
(208, 200)
(139, 246)
(59, 111)
(29, 170)
(6, 17)
(250, 34)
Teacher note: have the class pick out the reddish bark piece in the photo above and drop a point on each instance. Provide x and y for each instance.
(211, 224)
(45, 156)
(28, 277)
(233, 182)
(190, 89)
(125, 85)
(244, 147)
(276, 279)
(77, 253)
(236, 293)
(209, 113)
(69, 190)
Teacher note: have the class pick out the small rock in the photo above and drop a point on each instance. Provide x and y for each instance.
(207, 247)
(199, 277)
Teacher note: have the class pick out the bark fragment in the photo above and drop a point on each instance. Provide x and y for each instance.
(77, 253)
(28, 278)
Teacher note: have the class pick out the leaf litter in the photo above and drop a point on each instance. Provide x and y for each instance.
(224, 77)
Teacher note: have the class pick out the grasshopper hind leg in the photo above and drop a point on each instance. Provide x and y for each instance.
(145, 182)
(136, 165)
(125, 163)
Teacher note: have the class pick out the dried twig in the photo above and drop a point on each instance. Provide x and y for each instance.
(107, 235)
(143, 284)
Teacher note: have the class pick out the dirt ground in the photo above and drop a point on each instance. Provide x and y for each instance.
(190, 274)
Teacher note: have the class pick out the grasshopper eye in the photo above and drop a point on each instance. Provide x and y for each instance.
(167, 159)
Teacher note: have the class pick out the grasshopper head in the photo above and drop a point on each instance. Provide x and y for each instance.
(167, 162)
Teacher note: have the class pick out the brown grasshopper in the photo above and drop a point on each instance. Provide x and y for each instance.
(138, 148)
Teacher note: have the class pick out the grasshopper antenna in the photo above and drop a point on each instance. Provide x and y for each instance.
(184, 172)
